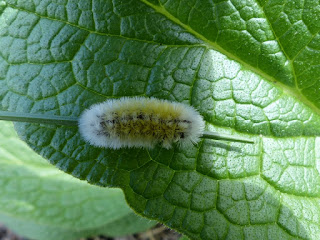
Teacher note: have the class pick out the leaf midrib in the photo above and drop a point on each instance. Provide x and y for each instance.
(292, 92)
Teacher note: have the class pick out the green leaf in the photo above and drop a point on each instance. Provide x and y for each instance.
(251, 68)
(42, 202)
(184, 238)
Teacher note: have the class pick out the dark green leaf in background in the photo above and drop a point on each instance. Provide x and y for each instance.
(250, 67)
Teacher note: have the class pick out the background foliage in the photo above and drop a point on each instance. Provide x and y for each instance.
(41, 202)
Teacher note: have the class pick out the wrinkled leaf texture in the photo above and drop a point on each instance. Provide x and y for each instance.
(250, 67)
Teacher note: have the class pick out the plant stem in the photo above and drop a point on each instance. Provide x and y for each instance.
(38, 118)
(73, 121)
(226, 137)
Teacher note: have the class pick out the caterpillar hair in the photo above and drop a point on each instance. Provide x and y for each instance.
(133, 122)
(144, 122)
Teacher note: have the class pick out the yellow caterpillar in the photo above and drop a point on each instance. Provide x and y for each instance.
(140, 122)
(133, 122)
(145, 122)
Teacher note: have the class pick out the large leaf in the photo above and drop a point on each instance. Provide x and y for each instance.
(42, 202)
(250, 67)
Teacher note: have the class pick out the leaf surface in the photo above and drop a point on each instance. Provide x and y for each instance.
(41, 202)
(251, 68)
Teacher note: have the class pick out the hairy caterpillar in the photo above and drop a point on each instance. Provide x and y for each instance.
(133, 122)
(143, 122)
